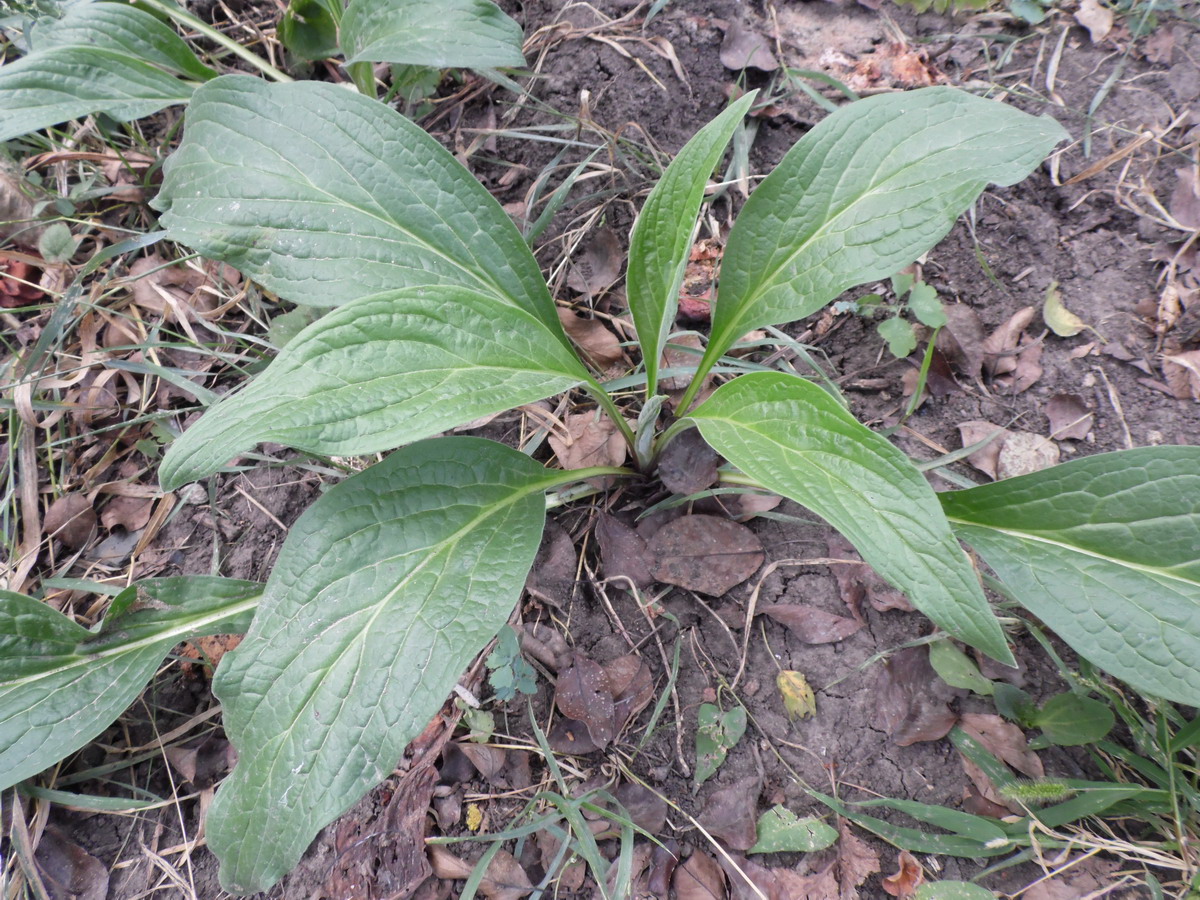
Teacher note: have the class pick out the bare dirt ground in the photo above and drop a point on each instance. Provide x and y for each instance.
(1110, 239)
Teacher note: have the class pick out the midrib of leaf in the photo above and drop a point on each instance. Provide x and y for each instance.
(432, 552)
(178, 630)
(750, 301)
(382, 218)
(1081, 551)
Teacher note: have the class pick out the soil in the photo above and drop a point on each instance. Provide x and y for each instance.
(1105, 258)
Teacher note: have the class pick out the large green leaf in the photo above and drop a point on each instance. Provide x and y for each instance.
(662, 237)
(1106, 551)
(793, 438)
(868, 190)
(472, 34)
(382, 371)
(62, 685)
(98, 58)
(324, 195)
(383, 592)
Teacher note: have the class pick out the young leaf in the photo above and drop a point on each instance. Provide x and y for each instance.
(899, 334)
(1071, 720)
(384, 590)
(925, 305)
(1103, 550)
(781, 831)
(793, 438)
(716, 734)
(62, 685)
(472, 34)
(957, 669)
(382, 371)
(863, 194)
(308, 28)
(323, 195)
(662, 236)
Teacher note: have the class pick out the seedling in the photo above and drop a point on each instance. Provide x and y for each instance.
(398, 576)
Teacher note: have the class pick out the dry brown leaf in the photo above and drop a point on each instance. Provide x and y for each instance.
(1007, 743)
(1028, 370)
(68, 870)
(592, 440)
(176, 291)
(663, 860)
(598, 263)
(908, 877)
(1096, 18)
(18, 202)
(632, 685)
(1185, 198)
(731, 814)
(746, 49)
(1159, 48)
(552, 577)
(961, 340)
(695, 293)
(130, 513)
(1182, 372)
(1079, 879)
(646, 809)
(857, 862)
(584, 694)
(822, 885)
(699, 878)
(746, 506)
(71, 520)
(623, 552)
(504, 880)
(19, 283)
(998, 348)
(912, 700)
(985, 458)
(488, 760)
(688, 464)
(859, 583)
(675, 358)
(1023, 453)
(598, 345)
(207, 651)
(811, 625)
(571, 737)
(1070, 419)
(205, 763)
(738, 869)
(705, 554)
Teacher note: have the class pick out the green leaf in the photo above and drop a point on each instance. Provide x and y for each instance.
(384, 590)
(62, 685)
(1014, 704)
(57, 244)
(957, 669)
(976, 828)
(382, 371)
(1103, 550)
(716, 734)
(323, 195)
(953, 890)
(899, 334)
(309, 30)
(1070, 720)
(125, 29)
(863, 194)
(661, 240)
(781, 831)
(64, 83)
(925, 305)
(471, 34)
(793, 438)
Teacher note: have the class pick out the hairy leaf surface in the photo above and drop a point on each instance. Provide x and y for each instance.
(382, 371)
(793, 438)
(863, 194)
(383, 592)
(61, 685)
(323, 195)
(662, 237)
(471, 34)
(1106, 551)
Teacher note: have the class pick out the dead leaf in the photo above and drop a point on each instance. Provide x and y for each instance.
(738, 869)
(746, 49)
(731, 814)
(179, 291)
(746, 506)
(18, 283)
(1004, 740)
(597, 344)
(688, 465)
(71, 520)
(646, 809)
(861, 582)
(1159, 48)
(584, 693)
(705, 554)
(1097, 19)
(799, 702)
(986, 458)
(68, 871)
(856, 862)
(699, 878)
(571, 737)
(912, 700)
(131, 513)
(552, 577)
(1057, 317)
(623, 552)
(695, 293)
(811, 625)
(908, 877)
(1023, 453)
(1185, 198)
(488, 760)
(1027, 371)
(592, 440)
(632, 686)
(598, 263)
(961, 339)
(822, 885)
(1182, 372)
(998, 348)
(1070, 418)
(1080, 878)
(676, 358)
(208, 650)
(504, 879)
(18, 206)
(203, 764)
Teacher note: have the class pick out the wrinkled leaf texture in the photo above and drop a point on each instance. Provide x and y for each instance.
(382, 589)
(793, 438)
(469, 34)
(1106, 551)
(61, 685)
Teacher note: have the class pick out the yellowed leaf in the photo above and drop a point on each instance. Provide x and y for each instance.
(798, 698)
(1058, 318)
